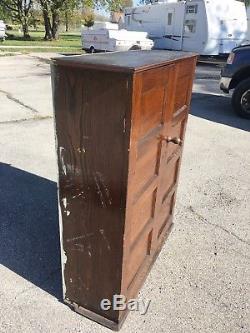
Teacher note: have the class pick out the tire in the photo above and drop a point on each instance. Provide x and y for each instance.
(241, 99)
(92, 49)
(135, 47)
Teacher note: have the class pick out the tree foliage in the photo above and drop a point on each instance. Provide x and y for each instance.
(20, 11)
(4, 13)
(247, 2)
(89, 20)
(114, 5)
(55, 11)
(51, 15)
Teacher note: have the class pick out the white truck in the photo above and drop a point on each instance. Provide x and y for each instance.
(106, 36)
(208, 27)
(248, 26)
(2, 30)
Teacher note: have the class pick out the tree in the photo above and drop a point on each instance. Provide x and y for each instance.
(247, 2)
(115, 5)
(53, 11)
(89, 20)
(20, 11)
(126, 3)
(36, 19)
(68, 9)
(4, 13)
(51, 17)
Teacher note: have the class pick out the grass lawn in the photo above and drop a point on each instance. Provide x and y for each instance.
(67, 42)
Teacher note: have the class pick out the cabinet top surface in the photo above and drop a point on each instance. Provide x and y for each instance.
(129, 61)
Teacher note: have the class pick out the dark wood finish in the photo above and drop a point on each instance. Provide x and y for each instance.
(120, 124)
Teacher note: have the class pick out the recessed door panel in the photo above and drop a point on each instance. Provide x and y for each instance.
(158, 134)
(143, 214)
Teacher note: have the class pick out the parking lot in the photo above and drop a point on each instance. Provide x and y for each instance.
(200, 282)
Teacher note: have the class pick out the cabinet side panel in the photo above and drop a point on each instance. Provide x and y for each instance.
(92, 129)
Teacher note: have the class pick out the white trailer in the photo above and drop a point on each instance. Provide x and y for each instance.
(2, 30)
(248, 26)
(106, 37)
(208, 27)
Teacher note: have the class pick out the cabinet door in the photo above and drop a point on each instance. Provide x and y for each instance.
(160, 109)
(176, 113)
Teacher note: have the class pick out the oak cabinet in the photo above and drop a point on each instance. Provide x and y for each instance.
(120, 124)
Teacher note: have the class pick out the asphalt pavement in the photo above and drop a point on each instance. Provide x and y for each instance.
(200, 282)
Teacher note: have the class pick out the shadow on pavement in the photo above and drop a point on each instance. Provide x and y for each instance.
(218, 109)
(29, 233)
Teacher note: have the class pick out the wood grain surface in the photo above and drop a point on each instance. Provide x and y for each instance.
(119, 144)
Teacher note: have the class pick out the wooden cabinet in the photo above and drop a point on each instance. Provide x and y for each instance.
(120, 124)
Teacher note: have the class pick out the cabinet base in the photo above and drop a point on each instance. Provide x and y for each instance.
(115, 326)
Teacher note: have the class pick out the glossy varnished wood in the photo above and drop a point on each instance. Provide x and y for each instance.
(117, 174)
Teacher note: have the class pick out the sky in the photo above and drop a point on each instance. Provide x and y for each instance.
(104, 13)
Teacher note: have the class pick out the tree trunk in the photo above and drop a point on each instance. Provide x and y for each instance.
(47, 26)
(25, 28)
(66, 21)
(55, 24)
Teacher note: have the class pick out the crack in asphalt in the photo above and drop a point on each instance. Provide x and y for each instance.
(16, 121)
(12, 98)
(231, 233)
(41, 59)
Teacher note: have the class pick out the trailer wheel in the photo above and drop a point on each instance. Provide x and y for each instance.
(135, 47)
(91, 49)
(241, 99)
